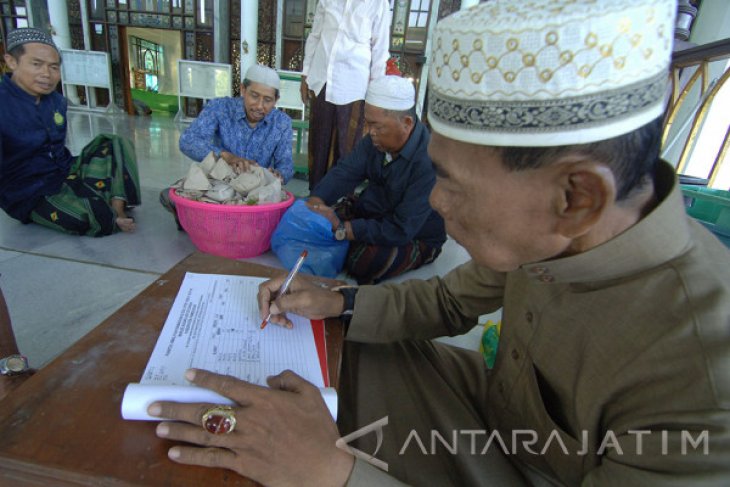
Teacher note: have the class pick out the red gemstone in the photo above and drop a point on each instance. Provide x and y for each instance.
(218, 424)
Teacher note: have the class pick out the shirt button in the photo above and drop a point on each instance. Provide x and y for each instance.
(515, 354)
(529, 317)
(539, 270)
(546, 278)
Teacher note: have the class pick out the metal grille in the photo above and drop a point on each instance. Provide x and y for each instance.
(236, 67)
(236, 46)
(266, 48)
(448, 7)
(13, 15)
(204, 47)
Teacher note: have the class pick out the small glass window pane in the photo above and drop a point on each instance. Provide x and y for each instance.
(294, 18)
(97, 9)
(205, 12)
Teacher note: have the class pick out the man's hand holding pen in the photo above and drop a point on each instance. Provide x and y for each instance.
(304, 298)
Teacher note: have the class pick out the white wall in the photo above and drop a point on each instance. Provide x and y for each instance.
(712, 22)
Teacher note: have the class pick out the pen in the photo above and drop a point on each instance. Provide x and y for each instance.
(285, 285)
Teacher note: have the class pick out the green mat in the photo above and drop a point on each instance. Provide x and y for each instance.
(156, 101)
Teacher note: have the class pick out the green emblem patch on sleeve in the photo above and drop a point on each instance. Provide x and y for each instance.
(490, 342)
(58, 118)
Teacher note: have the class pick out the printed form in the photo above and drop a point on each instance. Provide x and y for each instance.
(214, 325)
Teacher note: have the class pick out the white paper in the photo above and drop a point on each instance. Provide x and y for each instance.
(214, 325)
(138, 397)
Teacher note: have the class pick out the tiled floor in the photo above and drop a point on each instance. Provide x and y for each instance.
(59, 287)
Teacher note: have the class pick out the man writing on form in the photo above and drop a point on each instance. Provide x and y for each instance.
(615, 303)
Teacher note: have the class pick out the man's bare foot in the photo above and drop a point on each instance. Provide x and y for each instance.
(126, 224)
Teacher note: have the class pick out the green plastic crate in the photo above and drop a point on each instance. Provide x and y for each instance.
(711, 207)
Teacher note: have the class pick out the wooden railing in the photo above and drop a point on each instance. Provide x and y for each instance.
(697, 59)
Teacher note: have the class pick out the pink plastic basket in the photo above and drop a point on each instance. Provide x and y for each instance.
(230, 231)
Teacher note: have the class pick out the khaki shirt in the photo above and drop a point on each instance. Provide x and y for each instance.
(619, 355)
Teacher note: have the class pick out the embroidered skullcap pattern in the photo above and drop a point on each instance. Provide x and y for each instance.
(391, 93)
(264, 75)
(26, 35)
(550, 72)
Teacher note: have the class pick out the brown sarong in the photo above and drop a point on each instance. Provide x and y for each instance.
(333, 132)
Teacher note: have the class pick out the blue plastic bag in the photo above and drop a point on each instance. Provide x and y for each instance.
(302, 229)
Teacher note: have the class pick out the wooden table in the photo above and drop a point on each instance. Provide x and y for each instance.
(63, 426)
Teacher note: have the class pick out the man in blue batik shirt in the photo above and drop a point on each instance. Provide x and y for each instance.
(243, 131)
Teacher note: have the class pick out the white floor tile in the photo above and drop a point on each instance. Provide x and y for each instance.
(54, 302)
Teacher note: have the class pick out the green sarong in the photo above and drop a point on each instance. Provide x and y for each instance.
(105, 169)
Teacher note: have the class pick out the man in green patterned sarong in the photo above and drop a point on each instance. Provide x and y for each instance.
(40, 181)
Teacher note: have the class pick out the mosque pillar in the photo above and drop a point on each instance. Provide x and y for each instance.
(423, 83)
(222, 31)
(61, 33)
(279, 33)
(58, 16)
(249, 34)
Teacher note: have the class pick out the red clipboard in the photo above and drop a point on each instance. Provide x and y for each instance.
(320, 343)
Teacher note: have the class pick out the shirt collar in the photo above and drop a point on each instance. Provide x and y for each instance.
(413, 143)
(655, 239)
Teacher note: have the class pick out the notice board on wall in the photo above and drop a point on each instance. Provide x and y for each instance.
(197, 79)
(289, 92)
(85, 68)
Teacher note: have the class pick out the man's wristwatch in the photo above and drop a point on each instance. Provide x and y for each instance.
(341, 231)
(14, 365)
(348, 292)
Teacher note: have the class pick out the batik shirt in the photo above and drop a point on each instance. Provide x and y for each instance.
(222, 126)
(34, 160)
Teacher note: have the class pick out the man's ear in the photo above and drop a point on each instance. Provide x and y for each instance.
(10, 61)
(408, 121)
(588, 190)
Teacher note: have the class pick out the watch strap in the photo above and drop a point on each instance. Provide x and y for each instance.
(349, 293)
